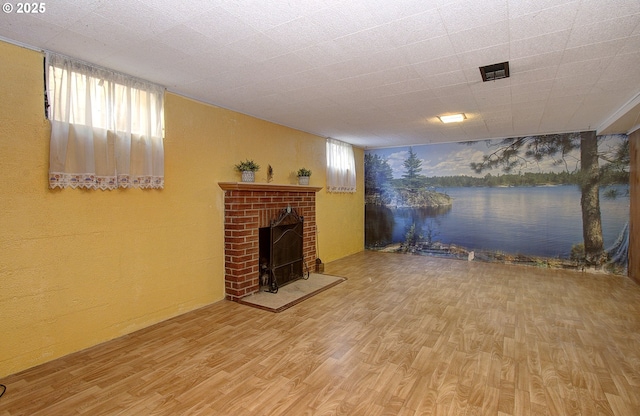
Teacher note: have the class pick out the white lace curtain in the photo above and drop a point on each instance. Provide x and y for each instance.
(341, 167)
(106, 128)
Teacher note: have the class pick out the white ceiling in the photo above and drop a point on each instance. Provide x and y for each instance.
(374, 73)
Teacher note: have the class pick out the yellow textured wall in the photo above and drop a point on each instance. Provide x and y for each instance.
(81, 267)
(340, 217)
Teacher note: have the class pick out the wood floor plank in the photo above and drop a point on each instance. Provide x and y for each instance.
(404, 335)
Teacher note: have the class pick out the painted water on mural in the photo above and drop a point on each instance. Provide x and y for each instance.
(539, 221)
(512, 200)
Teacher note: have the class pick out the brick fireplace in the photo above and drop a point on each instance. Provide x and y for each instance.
(247, 208)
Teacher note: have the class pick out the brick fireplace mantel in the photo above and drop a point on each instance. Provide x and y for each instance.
(248, 206)
(257, 186)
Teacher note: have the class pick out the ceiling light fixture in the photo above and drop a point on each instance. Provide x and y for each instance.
(453, 118)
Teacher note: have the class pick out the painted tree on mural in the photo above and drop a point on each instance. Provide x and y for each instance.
(412, 179)
(377, 179)
(512, 153)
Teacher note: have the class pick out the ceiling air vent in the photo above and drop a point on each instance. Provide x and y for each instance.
(495, 71)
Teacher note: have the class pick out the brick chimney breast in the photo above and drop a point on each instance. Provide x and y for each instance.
(247, 208)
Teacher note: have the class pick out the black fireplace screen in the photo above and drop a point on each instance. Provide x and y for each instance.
(281, 251)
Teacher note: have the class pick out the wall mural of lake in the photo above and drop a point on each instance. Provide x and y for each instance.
(528, 200)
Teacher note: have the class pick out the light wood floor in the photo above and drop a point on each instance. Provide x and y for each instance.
(405, 335)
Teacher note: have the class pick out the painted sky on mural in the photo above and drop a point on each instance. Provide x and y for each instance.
(453, 159)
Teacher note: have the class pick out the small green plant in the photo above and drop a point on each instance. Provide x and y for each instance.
(247, 166)
(304, 172)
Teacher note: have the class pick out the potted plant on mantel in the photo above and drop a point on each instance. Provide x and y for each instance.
(248, 169)
(303, 176)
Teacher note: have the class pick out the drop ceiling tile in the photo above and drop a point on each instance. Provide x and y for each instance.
(603, 31)
(622, 67)
(528, 63)
(29, 29)
(592, 11)
(473, 132)
(490, 98)
(536, 75)
(528, 112)
(127, 13)
(387, 59)
(428, 49)
(535, 98)
(520, 126)
(474, 76)
(532, 87)
(539, 45)
(228, 81)
(346, 69)
(323, 54)
(497, 112)
(618, 87)
(399, 9)
(575, 93)
(445, 79)
(411, 104)
(461, 103)
(264, 15)
(185, 39)
(334, 22)
(299, 33)
(593, 51)
(77, 45)
(362, 15)
(365, 42)
(284, 64)
(176, 75)
(98, 27)
(631, 44)
(415, 28)
(480, 37)
(390, 77)
(500, 129)
(180, 11)
(312, 91)
(486, 56)
(586, 118)
(219, 59)
(150, 52)
(64, 12)
(461, 89)
(519, 8)
(311, 79)
(542, 22)
(346, 94)
(211, 87)
(437, 66)
(567, 103)
(576, 82)
(221, 26)
(590, 67)
(259, 48)
(263, 103)
(555, 117)
(460, 16)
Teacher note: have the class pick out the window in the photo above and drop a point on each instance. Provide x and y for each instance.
(106, 128)
(341, 167)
